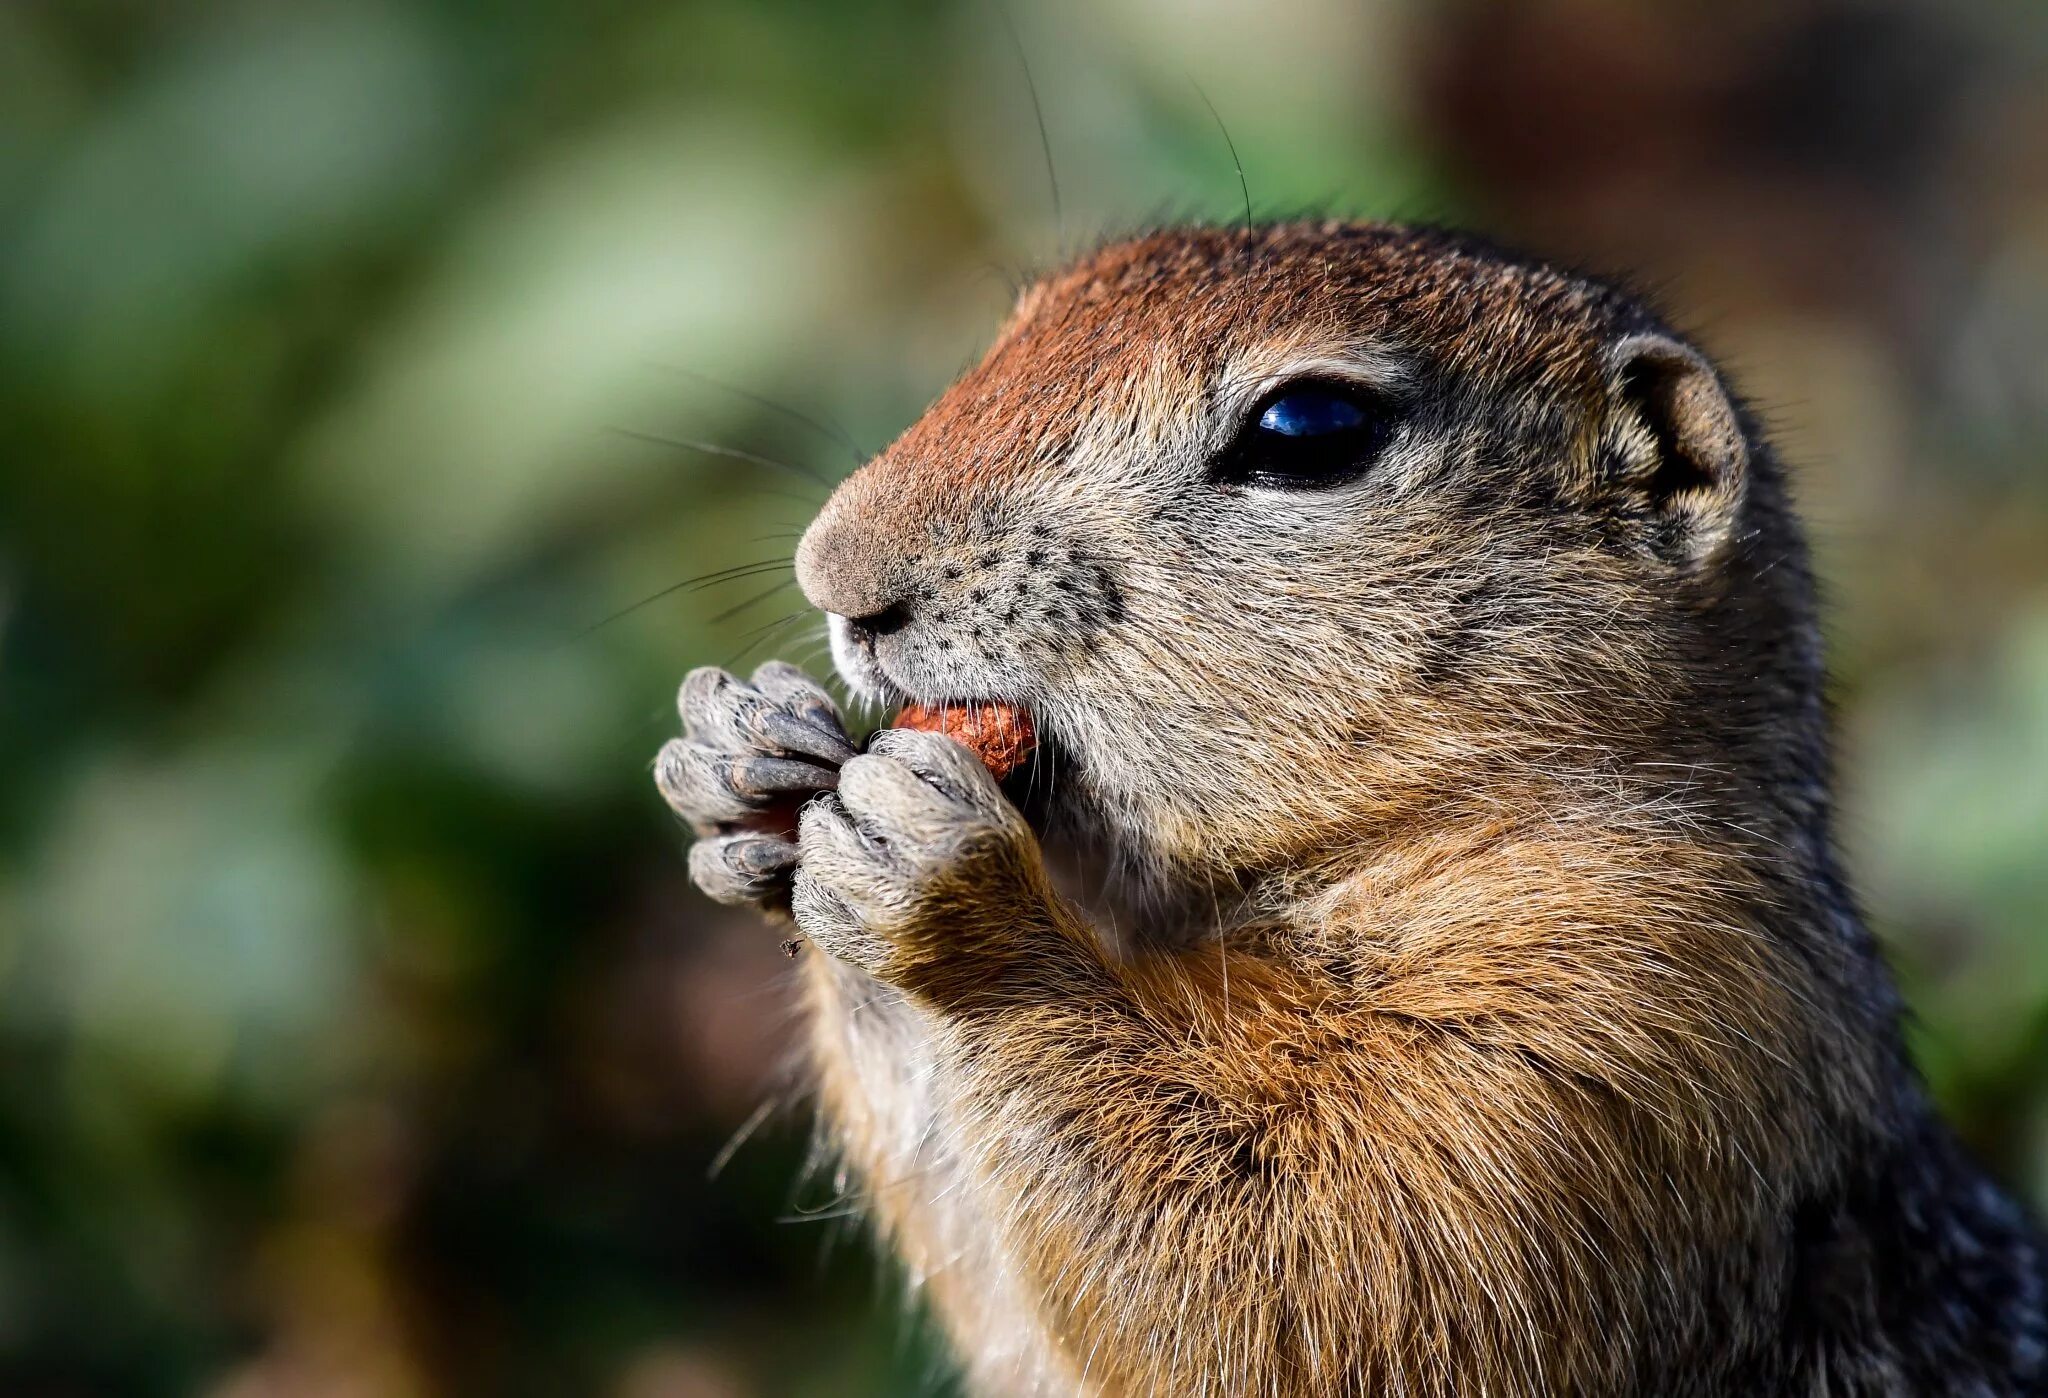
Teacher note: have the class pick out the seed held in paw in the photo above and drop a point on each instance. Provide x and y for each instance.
(999, 734)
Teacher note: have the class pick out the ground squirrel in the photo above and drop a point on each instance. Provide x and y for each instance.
(1469, 1000)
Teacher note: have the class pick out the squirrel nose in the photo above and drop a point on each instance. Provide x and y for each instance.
(890, 619)
(846, 570)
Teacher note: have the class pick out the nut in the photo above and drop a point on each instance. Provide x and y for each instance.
(999, 734)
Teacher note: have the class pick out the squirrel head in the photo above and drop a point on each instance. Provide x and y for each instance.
(1281, 534)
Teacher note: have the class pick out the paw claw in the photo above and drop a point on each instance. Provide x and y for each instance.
(764, 779)
(749, 754)
(949, 767)
(789, 715)
(741, 868)
(790, 688)
(776, 728)
(886, 795)
(720, 711)
(696, 781)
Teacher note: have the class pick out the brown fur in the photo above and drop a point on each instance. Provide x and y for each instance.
(1474, 1006)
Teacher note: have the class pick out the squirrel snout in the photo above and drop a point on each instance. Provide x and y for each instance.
(841, 571)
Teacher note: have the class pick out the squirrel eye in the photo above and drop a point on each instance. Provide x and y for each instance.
(1310, 413)
(1305, 436)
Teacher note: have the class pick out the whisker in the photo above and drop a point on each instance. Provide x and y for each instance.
(723, 575)
(1038, 113)
(730, 612)
(766, 634)
(726, 574)
(730, 453)
(1243, 185)
(827, 1212)
(823, 425)
(780, 621)
(739, 1138)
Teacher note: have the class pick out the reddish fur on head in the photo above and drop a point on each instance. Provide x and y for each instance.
(999, 734)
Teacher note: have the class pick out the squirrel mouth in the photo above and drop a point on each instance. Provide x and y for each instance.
(1003, 733)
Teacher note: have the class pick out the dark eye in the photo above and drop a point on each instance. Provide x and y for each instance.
(1312, 412)
(1306, 436)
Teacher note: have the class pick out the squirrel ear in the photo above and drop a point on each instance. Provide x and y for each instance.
(1675, 446)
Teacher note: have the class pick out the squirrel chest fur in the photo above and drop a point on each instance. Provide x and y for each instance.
(1421, 651)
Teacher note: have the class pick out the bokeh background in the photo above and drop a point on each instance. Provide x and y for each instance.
(359, 1034)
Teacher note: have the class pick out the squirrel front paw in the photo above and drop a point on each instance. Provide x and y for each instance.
(749, 755)
(917, 856)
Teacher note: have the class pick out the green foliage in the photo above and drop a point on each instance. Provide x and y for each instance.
(358, 1031)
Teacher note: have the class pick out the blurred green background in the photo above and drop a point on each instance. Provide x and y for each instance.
(359, 1034)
